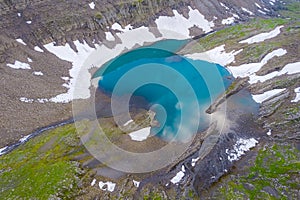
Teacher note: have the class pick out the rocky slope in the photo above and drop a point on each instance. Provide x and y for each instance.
(208, 167)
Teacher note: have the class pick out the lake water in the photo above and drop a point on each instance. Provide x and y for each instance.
(178, 89)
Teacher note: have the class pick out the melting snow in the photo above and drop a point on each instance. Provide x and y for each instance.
(248, 11)
(26, 100)
(250, 68)
(259, 98)
(177, 27)
(263, 36)
(269, 133)
(92, 5)
(257, 5)
(297, 98)
(29, 60)
(141, 134)
(19, 65)
(24, 139)
(176, 179)
(21, 41)
(136, 183)
(216, 55)
(194, 161)
(127, 123)
(37, 48)
(229, 20)
(239, 149)
(28, 22)
(291, 68)
(109, 36)
(93, 182)
(19, 14)
(110, 186)
(39, 73)
(223, 5)
(2, 150)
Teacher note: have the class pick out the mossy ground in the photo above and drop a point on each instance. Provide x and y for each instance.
(275, 167)
(42, 168)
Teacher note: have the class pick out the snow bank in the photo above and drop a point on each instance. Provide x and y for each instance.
(21, 41)
(194, 161)
(19, 65)
(176, 179)
(136, 183)
(251, 68)
(263, 36)
(217, 55)
(247, 11)
(291, 68)
(239, 149)
(128, 122)
(229, 20)
(180, 25)
(297, 98)
(107, 186)
(141, 134)
(39, 73)
(92, 5)
(259, 98)
(38, 49)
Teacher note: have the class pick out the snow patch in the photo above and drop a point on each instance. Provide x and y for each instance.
(229, 20)
(217, 55)
(92, 5)
(3, 150)
(176, 179)
(140, 135)
(223, 5)
(38, 49)
(93, 182)
(263, 36)
(239, 149)
(38, 73)
(24, 139)
(21, 41)
(297, 98)
(128, 122)
(291, 68)
(19, 65)
(194, 161)
(269, 133)
(136, 183)
(257, 5)
(28, 22)
(19, 14)
(247, 11)
(177, 27)
(259, 98)
(26, 100)
(251, 68)
(107, 186)
(109, 36)
(29, 60)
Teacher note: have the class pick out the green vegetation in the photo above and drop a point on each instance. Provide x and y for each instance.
(292, 10)
(233, 34)
(275, 175)
(98, 16)
(41, 168)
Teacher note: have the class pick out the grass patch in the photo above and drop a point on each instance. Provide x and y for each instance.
(41, 168)
(276, 167)
(238, 32)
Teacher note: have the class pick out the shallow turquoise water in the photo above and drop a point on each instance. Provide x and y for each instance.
(178, 89)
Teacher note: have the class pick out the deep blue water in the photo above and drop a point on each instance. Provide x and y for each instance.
(178, 89)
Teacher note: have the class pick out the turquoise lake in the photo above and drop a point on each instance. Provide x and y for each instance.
(177, 89)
